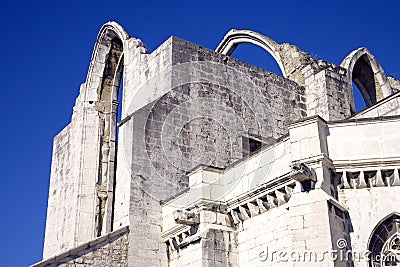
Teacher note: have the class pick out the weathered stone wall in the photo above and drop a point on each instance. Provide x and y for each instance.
(329, 93)
(365, 154)
(298, 232)
(214, 248)
(109, 250)
(190, 255)
(317, 227)
(74, 217)
(363, 142)
(139, 67)
(61, 236)
(261, 235)
(214, 105)
(328, 87)
(366, 208)
(71, 204)
(201, 120)
(394, 83)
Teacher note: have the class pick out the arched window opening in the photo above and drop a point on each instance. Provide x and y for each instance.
(366, 73)
(108, 108)
(257, 56)
(363, 77)
(384, 243)
(359, 102)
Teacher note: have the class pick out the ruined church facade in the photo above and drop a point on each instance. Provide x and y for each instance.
(187, 157)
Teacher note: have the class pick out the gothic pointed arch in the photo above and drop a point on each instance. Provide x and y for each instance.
(365, 71)
(384, 242)
(102, 86)
(235, 37)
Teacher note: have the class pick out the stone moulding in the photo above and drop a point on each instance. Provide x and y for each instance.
(263, 201)
(178, 232)
(367, 178)
(182, 239)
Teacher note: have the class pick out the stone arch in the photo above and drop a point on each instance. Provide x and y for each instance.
(235, 37)
(365, 71)
(385, 241)
(110, 34)
(102, 86)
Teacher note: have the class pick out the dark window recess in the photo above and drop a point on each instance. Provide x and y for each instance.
(250, 146)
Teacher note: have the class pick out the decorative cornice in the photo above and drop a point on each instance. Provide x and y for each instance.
(367, 178)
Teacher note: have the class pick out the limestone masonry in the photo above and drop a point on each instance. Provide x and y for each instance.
(204, 160)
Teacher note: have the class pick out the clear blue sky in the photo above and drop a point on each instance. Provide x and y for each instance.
(46, 48)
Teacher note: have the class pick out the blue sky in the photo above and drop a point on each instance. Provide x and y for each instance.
(46, 48)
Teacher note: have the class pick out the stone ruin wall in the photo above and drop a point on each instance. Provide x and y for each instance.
(221, 107)
(199, 122)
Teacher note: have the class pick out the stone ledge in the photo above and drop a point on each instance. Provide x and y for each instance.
(84, 246)
(365, 120)
(378, 103)
(366, 163)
